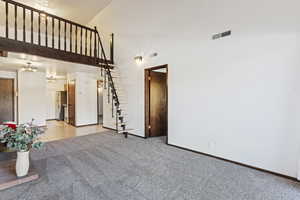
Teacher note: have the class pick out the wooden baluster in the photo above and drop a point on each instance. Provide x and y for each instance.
(31, 13)
(52, 32)
(112, 48)
(59, 34)
(6, 19)
(24, 25)
(86, 42)
(71, 32)
(46, 34)
(65, 36)
(16, 25)
(90, 43)
(76, 39)
(81, 41)
(39, 29)
(95, 45)
(99, 51)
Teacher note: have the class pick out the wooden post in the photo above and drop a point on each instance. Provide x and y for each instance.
(46, 34)
(59, 34)
(65, 36)
(76, 37)
(85, 42)
(16, 25)
(52, 32)
(80, 40)
(24, 25)
(71, 40)
(112, 48)
(6, 19)
(39, 31)
(31, 13)
(91, 34)
(95, 46)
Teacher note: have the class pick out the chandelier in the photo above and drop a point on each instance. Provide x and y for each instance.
(29, 68)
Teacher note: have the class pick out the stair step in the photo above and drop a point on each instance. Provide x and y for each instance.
(120, 125)
(115, 73)
(122, 108)
(126, 130)
(125, 103)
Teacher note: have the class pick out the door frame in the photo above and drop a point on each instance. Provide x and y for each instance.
(13, 97)
(73, 82)
(147, 98)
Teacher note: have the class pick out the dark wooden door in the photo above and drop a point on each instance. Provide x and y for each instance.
(71, 103)
(158, 104)
(6, 100)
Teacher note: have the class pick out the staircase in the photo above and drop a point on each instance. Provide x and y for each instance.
(50, 36)
(112, 84)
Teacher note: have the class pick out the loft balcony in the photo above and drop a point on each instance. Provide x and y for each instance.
(24, 29)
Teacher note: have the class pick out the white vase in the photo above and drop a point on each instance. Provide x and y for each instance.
(22, 165)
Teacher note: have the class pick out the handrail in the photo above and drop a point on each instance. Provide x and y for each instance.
(47, 14)
(47, 30)
(111, 82)
(107, 68)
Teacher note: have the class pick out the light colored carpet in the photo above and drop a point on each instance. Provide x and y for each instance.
(109, 167)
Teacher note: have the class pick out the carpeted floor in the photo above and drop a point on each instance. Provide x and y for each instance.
(107, 166)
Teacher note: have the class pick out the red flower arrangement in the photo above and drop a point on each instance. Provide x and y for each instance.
(11, 125)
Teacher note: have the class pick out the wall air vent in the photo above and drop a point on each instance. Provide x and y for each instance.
(221, 35)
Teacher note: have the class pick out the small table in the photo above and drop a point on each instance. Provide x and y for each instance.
(8, 177)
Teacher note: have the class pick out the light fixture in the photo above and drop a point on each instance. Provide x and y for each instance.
(138, 59)
(53, 77)
(100, 83)
(29, 68)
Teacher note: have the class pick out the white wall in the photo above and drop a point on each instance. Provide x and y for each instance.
(108, 120)
(32, 97)
(238, 97)
(100, 100)
(51, 89)
(85, 98)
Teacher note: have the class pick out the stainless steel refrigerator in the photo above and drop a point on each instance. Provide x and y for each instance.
(61, 103)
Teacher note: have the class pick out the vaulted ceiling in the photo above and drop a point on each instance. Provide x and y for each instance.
(80, 11)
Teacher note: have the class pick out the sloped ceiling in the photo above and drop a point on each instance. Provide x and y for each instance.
(80, 11)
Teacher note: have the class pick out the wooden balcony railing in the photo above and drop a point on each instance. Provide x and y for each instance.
(32, 31)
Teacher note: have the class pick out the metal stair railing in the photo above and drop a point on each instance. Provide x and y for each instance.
(117, 113)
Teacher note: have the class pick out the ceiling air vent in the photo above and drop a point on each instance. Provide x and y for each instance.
(221, 35)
